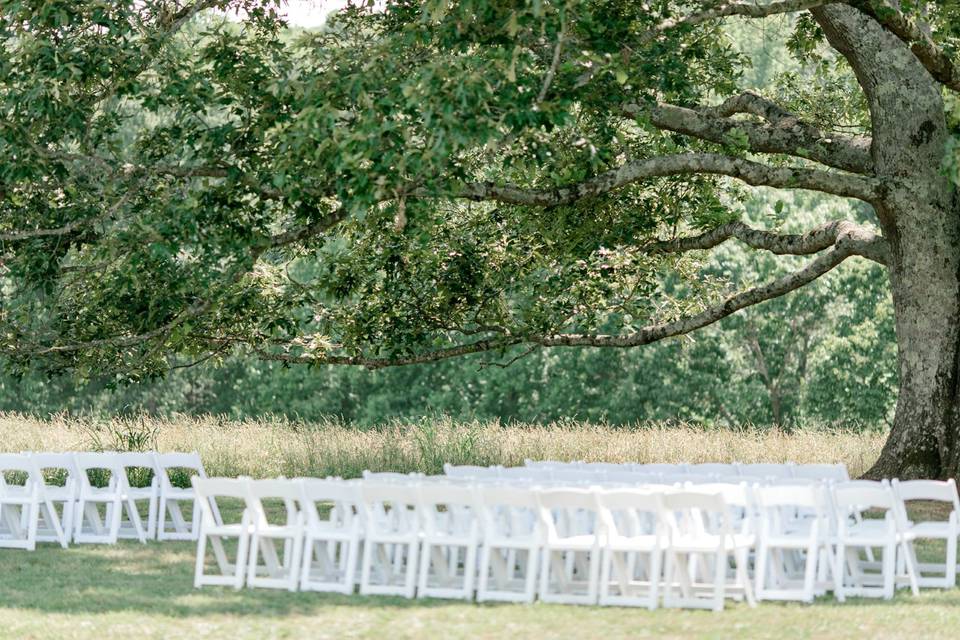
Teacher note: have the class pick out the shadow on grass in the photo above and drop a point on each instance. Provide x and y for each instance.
(157, 579)
(153, 579)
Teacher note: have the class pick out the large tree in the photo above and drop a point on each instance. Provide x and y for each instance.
(180, 179)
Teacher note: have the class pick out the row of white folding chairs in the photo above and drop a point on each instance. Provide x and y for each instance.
(836, 472)
(449, 539)
(35, 508)
(602, 476)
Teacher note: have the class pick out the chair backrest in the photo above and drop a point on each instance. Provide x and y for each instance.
(660, 467)
(449, 508)
(603, 467)
(62, 462)
(19, 469)
(547, 464)
(209, 490)
(695, 513)
(934, 490)
(185, 462)
(713, 468)
(567, 512)
(766, 470)
(391, 476)
(836, 472)
(780, 506)
(340, 497)
(526, 473)
(508, 511)
(633, 478)
(862, 494)
(99, 468)
(141, 467)
(630, 512)
(390, 507)
(263, 494)
(469, 471)
(576, 475)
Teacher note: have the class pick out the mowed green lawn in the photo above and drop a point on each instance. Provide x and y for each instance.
(146, 591)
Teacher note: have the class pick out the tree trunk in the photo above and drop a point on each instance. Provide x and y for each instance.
(926, 296)
(920, 218)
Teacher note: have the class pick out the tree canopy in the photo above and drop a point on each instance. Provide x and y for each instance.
(422, 180)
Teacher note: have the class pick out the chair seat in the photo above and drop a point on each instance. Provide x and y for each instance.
(512, 542)
(16, 494)
(636, 543)
(176, 493)
(58, 493)
(709, 543)
(932, 529)
(583, 542)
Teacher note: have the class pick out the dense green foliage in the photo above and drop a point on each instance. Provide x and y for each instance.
(209, 142)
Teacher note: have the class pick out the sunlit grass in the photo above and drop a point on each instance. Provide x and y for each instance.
(145, 591)
(264, 448)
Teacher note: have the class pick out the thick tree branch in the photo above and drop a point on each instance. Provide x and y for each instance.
(941, 66)
(781, 286)
(784, 133)
(745, 9)
(822, 264)
(858, 240)
(750, 172)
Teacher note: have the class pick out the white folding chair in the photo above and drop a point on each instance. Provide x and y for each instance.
(570, 556)
(511, 539)
(19, 502)
(391, 538)
(451, 536)
(278, 570)
(766, 470)
(470, 471)
(793, 522)
(113, 496)
(888, 534)
(701, 530)
(216, 532)
(835, 472)
(631, 567)
(56, 524)
(142, 466)
(332, 534)
(659, 467)
(713, 469)
(173, 497)
(946, 530)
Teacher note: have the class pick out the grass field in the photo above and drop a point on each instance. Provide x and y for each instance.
(133, 591)
(130, 590)
(279, 447)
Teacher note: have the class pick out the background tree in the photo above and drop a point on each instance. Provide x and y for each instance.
(435, 180)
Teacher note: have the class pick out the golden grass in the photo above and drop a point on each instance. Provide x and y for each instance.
(264, 448)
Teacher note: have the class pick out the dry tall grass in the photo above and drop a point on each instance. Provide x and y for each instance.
(263, 448)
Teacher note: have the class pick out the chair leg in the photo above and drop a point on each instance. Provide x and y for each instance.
(720, 579)
(484, 572)
(839, 560)
(950, 578)
(201, 559)
(743, 578)
(889, 570)
(810, 573)
(241, 563)
(911, 566)
(760, 570)
(656, 558)
(424, 569)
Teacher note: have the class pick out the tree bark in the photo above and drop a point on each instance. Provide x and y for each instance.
(920, 218)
